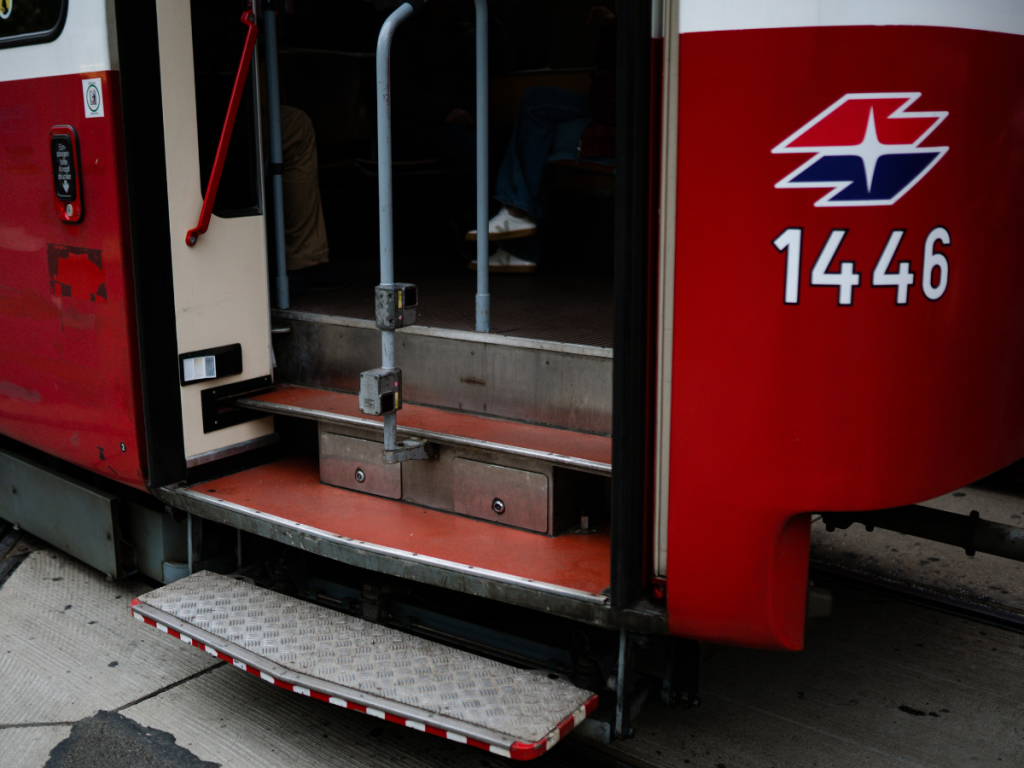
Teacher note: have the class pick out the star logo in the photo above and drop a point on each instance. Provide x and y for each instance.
(867, 149)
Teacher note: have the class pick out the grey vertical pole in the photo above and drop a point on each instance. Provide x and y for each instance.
(189, 543)
(276, 156)
(483, 291)
(387, 255)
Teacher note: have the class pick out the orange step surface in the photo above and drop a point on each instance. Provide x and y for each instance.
(291, 489)
(580, 445)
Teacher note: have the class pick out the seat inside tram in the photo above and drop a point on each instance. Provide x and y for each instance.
(326, 70)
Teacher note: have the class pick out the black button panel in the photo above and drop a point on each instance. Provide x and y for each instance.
(62, 153)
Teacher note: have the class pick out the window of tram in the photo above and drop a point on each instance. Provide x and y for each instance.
(30, 21)
(218, 38)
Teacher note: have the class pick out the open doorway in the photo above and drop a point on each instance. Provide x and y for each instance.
(563, 288)
(529, 405)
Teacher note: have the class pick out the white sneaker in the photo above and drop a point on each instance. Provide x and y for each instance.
(503, 261)
(506, 225)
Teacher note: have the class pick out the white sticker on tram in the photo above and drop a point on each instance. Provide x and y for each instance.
(716, 15)
(92, 95)
(197, 368)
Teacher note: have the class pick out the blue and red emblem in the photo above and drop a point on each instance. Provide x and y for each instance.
(867, 149)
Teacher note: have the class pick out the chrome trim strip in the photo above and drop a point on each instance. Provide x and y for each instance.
(445, 333)
(666, 286)
(572, 462)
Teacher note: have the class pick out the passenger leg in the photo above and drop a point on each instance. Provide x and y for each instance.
(305, 232)
(540, 113)
(549, 122)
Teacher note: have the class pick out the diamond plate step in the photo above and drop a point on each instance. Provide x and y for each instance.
(352, 663)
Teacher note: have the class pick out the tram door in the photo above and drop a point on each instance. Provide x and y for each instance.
(221, 299)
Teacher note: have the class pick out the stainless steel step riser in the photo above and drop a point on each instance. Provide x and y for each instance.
(559, 385)
(497, 487)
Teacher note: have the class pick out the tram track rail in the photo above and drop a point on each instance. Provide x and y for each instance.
(824, 574)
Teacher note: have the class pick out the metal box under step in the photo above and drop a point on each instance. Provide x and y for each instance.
(526, 476)
(477, 483)
(353, 663)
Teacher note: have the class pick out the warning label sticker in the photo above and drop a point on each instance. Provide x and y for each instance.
(63, 167)
(92, 94)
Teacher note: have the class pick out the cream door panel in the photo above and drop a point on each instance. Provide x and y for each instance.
(220, 284)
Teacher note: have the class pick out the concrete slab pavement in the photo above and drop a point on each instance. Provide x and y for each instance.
(986, 580)
(30, 746)
(882, 683)
(67, 650)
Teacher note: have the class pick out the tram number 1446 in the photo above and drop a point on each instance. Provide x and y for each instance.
(934, 272)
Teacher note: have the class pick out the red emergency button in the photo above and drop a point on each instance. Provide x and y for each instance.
(67, 174)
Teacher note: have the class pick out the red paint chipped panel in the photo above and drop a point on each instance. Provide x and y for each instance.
(68, 364)
(76, 273)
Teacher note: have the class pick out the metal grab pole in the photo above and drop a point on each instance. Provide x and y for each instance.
(483, 291)
(192, 236)
(276, 154)
(387, 255)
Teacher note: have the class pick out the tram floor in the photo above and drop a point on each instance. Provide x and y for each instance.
(882, 682)
(561, 304)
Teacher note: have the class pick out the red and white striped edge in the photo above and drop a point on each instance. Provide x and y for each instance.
(518, 750)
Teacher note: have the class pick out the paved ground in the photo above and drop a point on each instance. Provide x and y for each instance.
(985, 580)
(882, 683)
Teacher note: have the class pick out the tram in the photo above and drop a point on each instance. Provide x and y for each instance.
(789, 286)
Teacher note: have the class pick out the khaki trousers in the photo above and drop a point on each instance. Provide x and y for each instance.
(305, 233)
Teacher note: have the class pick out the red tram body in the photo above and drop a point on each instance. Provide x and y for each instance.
(817, 267)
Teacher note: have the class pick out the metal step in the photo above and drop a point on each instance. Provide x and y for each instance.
(352, 663)
(546, 445)
(536, 478)
(543, 382)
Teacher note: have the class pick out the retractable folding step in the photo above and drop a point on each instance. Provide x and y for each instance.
(352, 663)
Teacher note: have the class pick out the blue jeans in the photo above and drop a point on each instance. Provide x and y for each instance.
(549, 124)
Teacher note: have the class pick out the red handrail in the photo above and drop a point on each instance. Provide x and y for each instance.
(225, 135)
